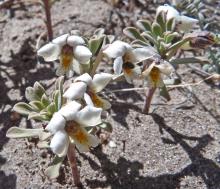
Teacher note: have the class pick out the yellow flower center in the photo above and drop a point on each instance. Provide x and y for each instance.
(128, 67)
(155, 75)
(76, 132)
(66, 56)
(95, 99)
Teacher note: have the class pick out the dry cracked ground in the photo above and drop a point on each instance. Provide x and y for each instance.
(175, 147)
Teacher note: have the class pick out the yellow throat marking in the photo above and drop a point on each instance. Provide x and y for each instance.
(76, 132)
(96, 100)
(155, 75)
(66, 56)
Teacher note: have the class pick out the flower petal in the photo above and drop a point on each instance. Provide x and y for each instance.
(150, 83)
(165, 67)
(85, 78)
(56, 123)
(128, 78)
(89, 116)
(77, 67)
(69, 110)
(141, 54)
(186, 23)
(88, 99)
(100, 81)
(154, 78)
(61, 40)
(146, 72)
(169, 10)
(105, 103)
(75, 91)
(93, 140)
(82, 54)
(75, 40)
(158, 84)
(60, 71)
(131, 71)
(99, 102)
(116, 49)
(117, 66)
(84, 140)
(49, 52)
(81, 147)
(69, 73)
(59, 143)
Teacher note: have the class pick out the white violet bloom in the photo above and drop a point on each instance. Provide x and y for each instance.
(154, 73)
(126, 59)
(69, 49)
(68, 125)
(88, 88)
(183, 23)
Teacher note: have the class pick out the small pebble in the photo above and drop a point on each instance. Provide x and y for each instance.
(44, 154)
(112, 144)
(15, 116)
(218, 158)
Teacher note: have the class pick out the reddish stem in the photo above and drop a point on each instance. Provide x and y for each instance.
(148, 100)
(71, 154)
(48, 21)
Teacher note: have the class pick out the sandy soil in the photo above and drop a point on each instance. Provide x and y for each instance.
(175, 147)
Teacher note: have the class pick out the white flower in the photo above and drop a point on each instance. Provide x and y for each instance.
(87, 87)
(183, 23)
(126, 59)
(154, 73)
(68, 125)
(69, 49)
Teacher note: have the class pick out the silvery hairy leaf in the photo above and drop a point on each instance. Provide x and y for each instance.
(53, 170)
(39, 116)
(133, 33)
(36, 105)
(45, 101)
(23, 108)
(160, 20)
(15, 132)
(156, 29)
(144, 25)
(34, 93)
(164, 93)
(95, 44)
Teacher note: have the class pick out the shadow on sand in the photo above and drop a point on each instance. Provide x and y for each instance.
(125, 174)
(16, 75)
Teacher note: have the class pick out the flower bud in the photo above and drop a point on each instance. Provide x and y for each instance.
(201, 39)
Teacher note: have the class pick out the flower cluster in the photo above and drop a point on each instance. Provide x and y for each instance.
(126, 59)
(73, 115)
(80, 105)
